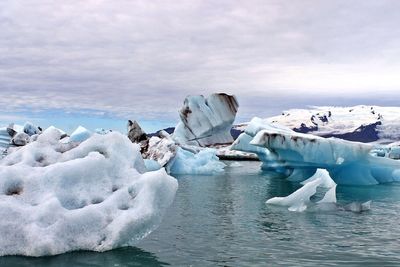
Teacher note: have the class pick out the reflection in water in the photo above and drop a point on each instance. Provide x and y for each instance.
(129, 256)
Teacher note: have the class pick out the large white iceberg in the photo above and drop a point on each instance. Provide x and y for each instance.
(57, 197)
(286, 151)
(206, 121)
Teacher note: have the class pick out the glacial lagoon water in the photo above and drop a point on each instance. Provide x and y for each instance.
(222, 220)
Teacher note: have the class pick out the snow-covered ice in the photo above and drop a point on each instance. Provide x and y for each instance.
(358, 123)
(20, 139)
(162, 150)
(31, 129)
(206, 121)
(80, 134)
(59, 197)
(204, 162)
(151, 165)
(181, 159)
(225, 152)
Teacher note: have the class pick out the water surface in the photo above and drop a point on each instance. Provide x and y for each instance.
(223, 220)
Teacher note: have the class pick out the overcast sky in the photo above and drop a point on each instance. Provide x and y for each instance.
(139, 59)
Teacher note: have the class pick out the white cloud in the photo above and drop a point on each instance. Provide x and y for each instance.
(142, 57)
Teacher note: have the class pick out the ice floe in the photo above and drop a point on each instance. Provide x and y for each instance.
(57, 197)
(300, 199)
(203, 162)
(289, 152)
(180, 158)
(80, 134)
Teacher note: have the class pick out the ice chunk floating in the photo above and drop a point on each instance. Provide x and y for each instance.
(300, 199)
(58, 197)
(299, 155)
(181, 159)
(80, 134)
(203, 163)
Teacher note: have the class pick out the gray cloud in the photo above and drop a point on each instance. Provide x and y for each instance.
(141, 58)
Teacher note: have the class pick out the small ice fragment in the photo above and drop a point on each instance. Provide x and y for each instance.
(80, 134)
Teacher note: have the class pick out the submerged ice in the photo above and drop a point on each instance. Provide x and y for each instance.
(57, 197)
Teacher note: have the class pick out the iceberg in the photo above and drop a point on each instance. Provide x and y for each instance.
(151, 165)
(204, 162)
(30, 129)
(325, 180)
(20, 139)
(5, 140)
(300, 200)
(358, 207)
(286, 151)
(137, 135)
(17, 135)
(102, 131)
(270, 160)
(59, 197)
(206, 121)
(163, 151)
(80, 134)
